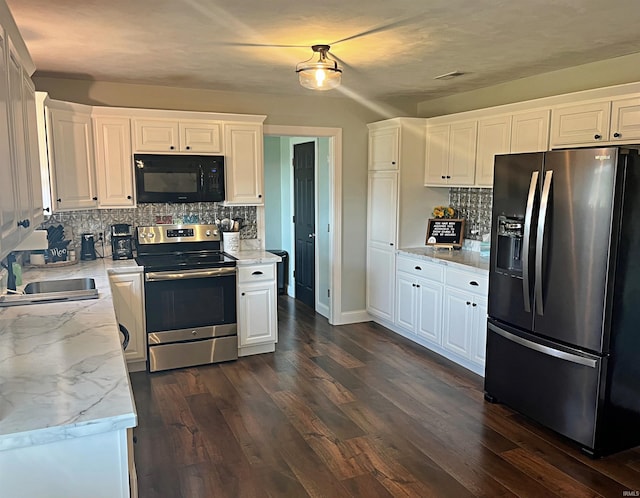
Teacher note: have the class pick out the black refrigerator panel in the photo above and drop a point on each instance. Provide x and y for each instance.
(572, 255)
(556, 386)
(516, 193)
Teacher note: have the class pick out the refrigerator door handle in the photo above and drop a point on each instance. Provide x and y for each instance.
(526, 237)
(542, 218)
(563, 355)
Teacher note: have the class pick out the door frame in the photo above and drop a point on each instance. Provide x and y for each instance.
(335, 202)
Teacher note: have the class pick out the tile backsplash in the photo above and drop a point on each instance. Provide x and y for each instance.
(474, 205)
(100, 220)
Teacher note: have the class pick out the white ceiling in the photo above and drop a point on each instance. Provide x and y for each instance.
(209, 43)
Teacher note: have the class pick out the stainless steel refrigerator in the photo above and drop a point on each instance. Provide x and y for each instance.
(563, 332)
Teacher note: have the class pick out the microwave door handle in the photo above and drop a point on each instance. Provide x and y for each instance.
(525, 242)
(542, 221)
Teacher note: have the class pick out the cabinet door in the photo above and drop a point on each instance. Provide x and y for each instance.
(457, 322)
(33, 151)
(256, 314)
(462, 153)
(244, 166)
(580, 124)
(494, 137)
(72, 163)
(384, 149)
(380, 275)
(479, 330)
(114, 165)
(9, 233)
(625, 120)
(530, 131)
(200, 136)
(406, 301)
(429, 304)
(155, 135)
(382, 208)
(18, 138)
(437, 155)
(128, 303)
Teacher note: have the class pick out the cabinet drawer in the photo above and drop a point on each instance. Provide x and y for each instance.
(421, 268)
(468, 281)
(256, 273)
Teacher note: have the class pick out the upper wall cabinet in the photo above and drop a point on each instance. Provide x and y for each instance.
(494, 137)
(384, 147)
(244, 163)
(71, 158)
(530, 131)
(593, 123)
(164, 135)
(451, 154)
(114, 169)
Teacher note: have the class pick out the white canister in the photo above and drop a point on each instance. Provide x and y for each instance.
(231, 241)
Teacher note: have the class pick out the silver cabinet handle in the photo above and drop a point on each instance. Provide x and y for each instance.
(527, 235)
(542, 218)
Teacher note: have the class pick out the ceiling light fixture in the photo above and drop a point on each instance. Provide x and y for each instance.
(323, 74)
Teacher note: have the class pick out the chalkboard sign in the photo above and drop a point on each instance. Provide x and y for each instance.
(445, 232)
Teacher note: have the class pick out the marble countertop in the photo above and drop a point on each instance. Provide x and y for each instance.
(467, 260)
(252, 257)
(62, 370)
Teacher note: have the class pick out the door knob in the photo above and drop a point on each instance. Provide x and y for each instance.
(312, 235)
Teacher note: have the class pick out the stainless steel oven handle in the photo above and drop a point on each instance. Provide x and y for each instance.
(525, 242)
(159, 276)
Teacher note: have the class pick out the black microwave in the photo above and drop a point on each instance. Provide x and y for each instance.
(176, 178)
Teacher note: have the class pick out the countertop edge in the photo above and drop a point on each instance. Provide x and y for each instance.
(462, 259)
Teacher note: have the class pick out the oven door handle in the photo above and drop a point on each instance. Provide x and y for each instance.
(159, 276)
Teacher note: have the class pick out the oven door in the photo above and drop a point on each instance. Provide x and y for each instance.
(185, 299)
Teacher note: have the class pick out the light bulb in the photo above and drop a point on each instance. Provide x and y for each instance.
(320, 77)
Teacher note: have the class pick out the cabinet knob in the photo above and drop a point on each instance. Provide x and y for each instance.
(259, 196)
(417, 268)
(393, 162)
(390, 243)
(616, 135)
(597, 137)
(443, 177)
(47, 209)
(474, 305)
(95, 198)
(417, 285)
(242, 294)
(128, 197)
(171, 147)
(474, 283)
(59, 200)
(188, 147)
(448, 176)
(468, 303)
(193, 332)
(413, 285)
(24, 223)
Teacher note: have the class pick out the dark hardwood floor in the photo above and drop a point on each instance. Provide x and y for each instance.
(353, 410)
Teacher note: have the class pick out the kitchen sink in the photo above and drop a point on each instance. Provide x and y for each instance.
(50, 291)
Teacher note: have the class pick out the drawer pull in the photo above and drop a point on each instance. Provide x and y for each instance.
(473, 282)
(418, 268)
(258, 272)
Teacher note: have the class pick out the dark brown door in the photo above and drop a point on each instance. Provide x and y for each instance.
(304, 218)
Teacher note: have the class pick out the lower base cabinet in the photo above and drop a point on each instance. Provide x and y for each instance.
(257, 309)
(127, 293)
(442, 307)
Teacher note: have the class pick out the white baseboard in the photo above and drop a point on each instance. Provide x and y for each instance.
(347, 317)
(323, 309)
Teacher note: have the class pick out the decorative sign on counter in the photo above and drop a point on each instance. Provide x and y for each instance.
(445, 232)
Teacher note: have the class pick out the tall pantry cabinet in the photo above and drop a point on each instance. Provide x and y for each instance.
(398, 205)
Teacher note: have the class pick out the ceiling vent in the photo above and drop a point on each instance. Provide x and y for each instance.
(449, 76)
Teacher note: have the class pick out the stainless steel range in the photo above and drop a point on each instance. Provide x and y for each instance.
(190, 296)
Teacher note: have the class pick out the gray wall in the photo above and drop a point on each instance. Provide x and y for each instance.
(272, 196)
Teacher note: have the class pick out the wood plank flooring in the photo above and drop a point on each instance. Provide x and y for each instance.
(353, 410)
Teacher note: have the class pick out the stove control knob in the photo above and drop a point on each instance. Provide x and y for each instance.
(151, 235)
(143, 235)
(208, 233)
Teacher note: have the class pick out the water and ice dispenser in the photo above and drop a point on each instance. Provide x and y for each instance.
(509, 246)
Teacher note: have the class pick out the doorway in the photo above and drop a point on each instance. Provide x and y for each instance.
(279, 208)
(304, 222)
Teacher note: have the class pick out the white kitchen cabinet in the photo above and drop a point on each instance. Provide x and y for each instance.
(127, 293)
(451, 154)
(257, 308)
(585, 123)
(419, 294)
(530, 131)
(494, 137)
(167, 135)
(625, 120)
(33, 150)
(244, 163)
(114, 164)
(465, 313)
(384, 149)
(71, 157)
(382, 209)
